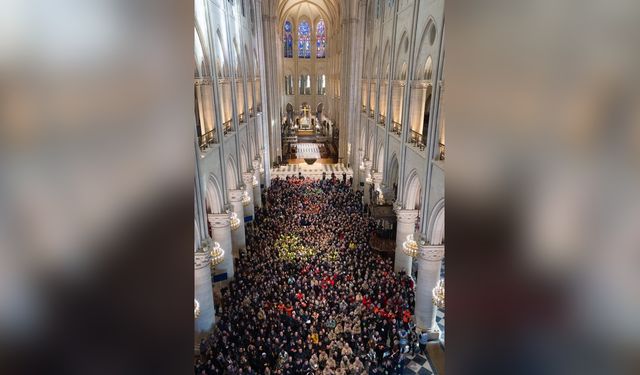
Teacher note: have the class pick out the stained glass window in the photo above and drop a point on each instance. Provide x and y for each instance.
(288, 40)
(304, 40)
(321, 37)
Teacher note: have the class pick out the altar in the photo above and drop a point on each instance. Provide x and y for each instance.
(305, 118)
(305, 123)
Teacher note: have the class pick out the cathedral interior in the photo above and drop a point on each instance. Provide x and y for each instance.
(319, 191)
(298, 147)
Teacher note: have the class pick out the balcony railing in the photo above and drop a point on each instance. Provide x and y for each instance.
(396, 127)
(441, 151)
(227, 127)
(418, 140)
(381, 120)
(207, 139)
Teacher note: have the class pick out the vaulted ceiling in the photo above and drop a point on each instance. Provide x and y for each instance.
(329, 10)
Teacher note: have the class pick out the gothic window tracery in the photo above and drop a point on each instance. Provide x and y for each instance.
(304, 40)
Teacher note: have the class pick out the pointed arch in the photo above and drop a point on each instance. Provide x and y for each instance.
(247, 63)
(402, 54)
(321, 39)
(428, 70)
(238, 60)
(374, 64)
(220, 56)
(413, 191)
(232, 173)
(244, 158)
(287, 39)
(256, 66)
(371, 147)
(304, 39)
(214, 198)
(252, 150)
(363, 142)
(394, 167)
(365, 72)
(201, 56)
(425, 49)
(380, 158)
(385, 61)
(436, 224)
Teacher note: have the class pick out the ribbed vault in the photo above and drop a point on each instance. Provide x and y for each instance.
(329, 10)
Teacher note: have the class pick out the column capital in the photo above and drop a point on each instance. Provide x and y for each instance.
(407, 216)
(247, 178)
(236, 195)
(201, 259)
(219, 220)
(367, 164)
(431, 253)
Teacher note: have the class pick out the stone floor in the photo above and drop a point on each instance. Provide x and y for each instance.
(419, 364)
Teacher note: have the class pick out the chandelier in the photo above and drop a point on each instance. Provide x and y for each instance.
(254, 182)
(410, 246)
(196, 308)
(217, 254)
(246, 199)
(438, 294)
(381, 200)
(235, 222)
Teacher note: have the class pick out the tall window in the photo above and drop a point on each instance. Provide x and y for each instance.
(288, 40)
(304, 40)
(305, 84)
(321, 40)
(288, 85)
(322, 85)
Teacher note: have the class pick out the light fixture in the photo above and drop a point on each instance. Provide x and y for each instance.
(235, 222)
(217, 254)
(196, 308)
(381, 200)
(254, 183)
(410, 246)
(246, 199)
(438, 294)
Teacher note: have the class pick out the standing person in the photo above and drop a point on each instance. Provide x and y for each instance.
(423, 338)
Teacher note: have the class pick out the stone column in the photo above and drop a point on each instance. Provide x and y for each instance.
(367, 175)
(405, 226)
(238, 237)
(247, 178)
(204, 291)
(429, 264)
(257, 194)
(377, 180)
(221, 233)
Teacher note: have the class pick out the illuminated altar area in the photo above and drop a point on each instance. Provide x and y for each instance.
(305, 118)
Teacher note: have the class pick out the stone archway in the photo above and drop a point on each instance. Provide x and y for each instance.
(413, 192)
(436, 224)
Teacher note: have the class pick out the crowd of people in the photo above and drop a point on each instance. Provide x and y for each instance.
(340, 309)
